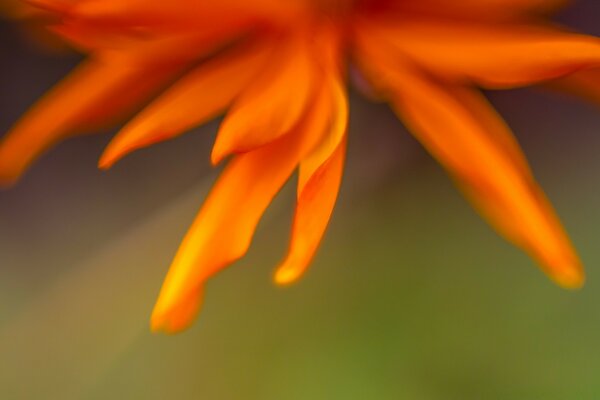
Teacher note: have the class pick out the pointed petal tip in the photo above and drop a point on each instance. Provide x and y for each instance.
(177, 316)
(286, 275)
(132, 137)
(11, 165)
(106, 161)
(218, 154)
(7, 180)
(570, 278)
(113, 153)
(169, 324)
(9, 173)
(159, 326)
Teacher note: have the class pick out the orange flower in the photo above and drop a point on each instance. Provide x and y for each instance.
(277, 68)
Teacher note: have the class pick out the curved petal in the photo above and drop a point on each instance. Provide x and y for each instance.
(96, 93)
(196, 98)
(225, 225)
(499, 55)
(319, 179)
(272, 104)
(315, 205)
(331, 141)
(488, 167)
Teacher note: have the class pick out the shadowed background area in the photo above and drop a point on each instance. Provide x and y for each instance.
(412, 296)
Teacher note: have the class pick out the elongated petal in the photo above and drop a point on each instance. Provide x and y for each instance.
(583, 83)
(492, 55)
(96, 93)
(477, 151)
(133, 42)
(319, 179)
(183, 13)
(496, 128)
(509, 198)
(198, 97)
(225, 225)
(481, 9)
(313, 211)
(273, 104)
(331, 141)
(181, 8)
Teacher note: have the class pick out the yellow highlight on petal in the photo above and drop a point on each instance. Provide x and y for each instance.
(275, 70)
(175, 320)
(571, 277)
(287, 274)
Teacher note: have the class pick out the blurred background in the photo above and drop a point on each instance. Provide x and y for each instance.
(412, 296)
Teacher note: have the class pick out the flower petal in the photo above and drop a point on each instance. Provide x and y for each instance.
(482, 9)
(583, 83)
(177, 14)
(196, 98)
(319, 180)
(315, 205)
(225, 225)
(331, 141)
(272, 104)
(133, 42)
(510, 199)
(96, 93)
(476, 148)
(493, 55)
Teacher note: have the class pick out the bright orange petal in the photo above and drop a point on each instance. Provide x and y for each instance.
(475, 148)
(196, 98)
(139, 44)
(95, 94)
(272, 104)
(497, 55)
(495, 126)
(331, 141)
(313, 210)
(319, 179)
(225, 225)
(176, 14)
(509, 198)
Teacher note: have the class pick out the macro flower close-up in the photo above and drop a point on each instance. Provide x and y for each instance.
(279, 73)
(309, 141)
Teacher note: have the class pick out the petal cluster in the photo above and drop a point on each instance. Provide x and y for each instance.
(277, 71)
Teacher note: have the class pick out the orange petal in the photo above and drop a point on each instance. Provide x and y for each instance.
(507, 196)
(318, 185)
(134, 42)
(109, 27)
(196, 98)
(492, 55)
(272, 104)
(184, 13)
(337, 131)
(482, 9)
(583, 83)
(225, 225)
(313, 211)
(96, 93)
(476, 147)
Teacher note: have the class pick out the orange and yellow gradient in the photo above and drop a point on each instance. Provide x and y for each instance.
(278, 71)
